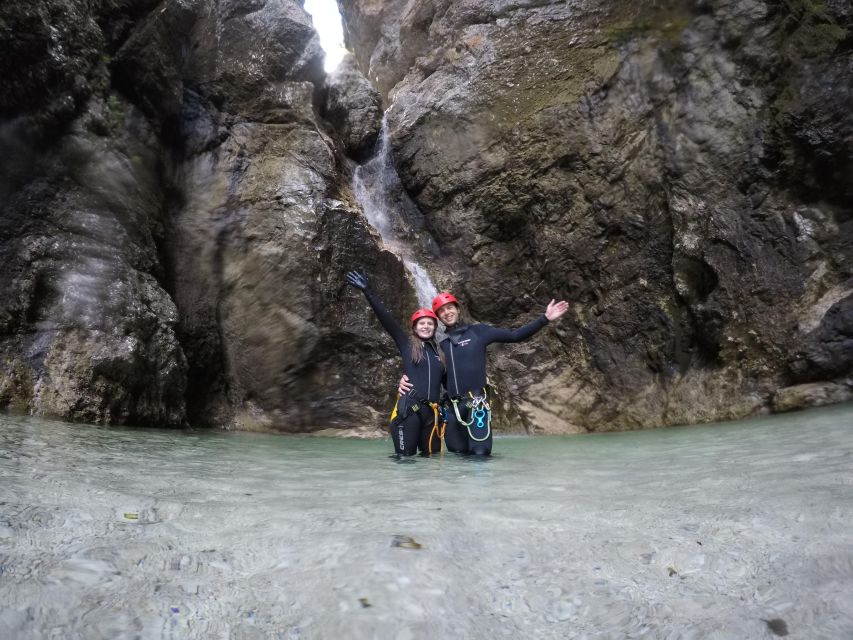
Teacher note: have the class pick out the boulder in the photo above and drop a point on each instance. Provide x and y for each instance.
(812, 394)
(353, 108)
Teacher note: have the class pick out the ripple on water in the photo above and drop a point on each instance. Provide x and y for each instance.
(703, 532)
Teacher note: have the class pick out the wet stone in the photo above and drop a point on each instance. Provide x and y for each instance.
(405, 542)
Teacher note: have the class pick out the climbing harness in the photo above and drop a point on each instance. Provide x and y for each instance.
(436, 430)
(438, 425)
(481, 416)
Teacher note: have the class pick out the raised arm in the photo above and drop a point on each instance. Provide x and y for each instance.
(359, 281)
(553, 311)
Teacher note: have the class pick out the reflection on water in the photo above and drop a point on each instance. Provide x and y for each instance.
(700, 532)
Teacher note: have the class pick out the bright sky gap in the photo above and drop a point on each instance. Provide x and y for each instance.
(327, 22)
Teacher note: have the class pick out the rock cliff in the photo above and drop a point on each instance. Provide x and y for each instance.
(680, 171)
(178, 211)
(179, 220)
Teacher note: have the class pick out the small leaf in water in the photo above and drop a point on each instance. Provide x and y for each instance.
(405, 542)
(778, 626)
(365, 603)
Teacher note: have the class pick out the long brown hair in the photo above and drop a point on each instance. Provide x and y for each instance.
(418, 348)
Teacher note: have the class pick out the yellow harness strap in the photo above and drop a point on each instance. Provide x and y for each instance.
(436, 429)
(394, 412)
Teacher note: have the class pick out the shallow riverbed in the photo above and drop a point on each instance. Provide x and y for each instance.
(696, 532)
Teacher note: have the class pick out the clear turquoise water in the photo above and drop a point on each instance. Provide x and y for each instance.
(697, 532)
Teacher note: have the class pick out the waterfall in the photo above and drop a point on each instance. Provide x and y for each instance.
(392, 213)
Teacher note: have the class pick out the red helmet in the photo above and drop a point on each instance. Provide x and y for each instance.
(442, 299)
(423, 313)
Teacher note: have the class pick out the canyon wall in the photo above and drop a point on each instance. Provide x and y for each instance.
(681, 172)
(178, 211)
(178, 220)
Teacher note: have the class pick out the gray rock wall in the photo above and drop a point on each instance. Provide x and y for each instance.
(179, 222)
(681, 172)
(177, 211)
(87, 330)
(354, 109)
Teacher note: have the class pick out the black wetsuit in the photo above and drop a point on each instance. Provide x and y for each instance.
(413, 425)
(465, 351)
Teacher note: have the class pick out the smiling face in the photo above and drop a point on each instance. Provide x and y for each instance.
(449, 314)
(424, 328)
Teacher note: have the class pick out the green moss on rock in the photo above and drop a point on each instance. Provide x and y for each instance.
(16, 387)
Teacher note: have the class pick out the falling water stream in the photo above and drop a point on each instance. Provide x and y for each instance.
(391, 212)
(718, 531)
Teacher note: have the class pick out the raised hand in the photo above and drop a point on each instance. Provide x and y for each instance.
(556, 309)
(358, 280)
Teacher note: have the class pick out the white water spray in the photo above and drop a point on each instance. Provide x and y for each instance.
(376, 183)
(388, 209)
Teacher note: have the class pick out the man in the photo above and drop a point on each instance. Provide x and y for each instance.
(468, 410)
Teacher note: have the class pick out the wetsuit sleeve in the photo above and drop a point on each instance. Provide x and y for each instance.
(386, 319)
(494, 334)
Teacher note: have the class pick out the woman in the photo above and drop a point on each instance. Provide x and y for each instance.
(414, 422)
(468, 408)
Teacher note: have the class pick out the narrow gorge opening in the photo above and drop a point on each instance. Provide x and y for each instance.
(327, 23)
(376, 185)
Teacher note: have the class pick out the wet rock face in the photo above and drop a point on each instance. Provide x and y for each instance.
(87, 332)
(174, 245)
(680, 172)
(49, 58)
(258, 251)
(354, 109)
(178, 217)
(263, 232)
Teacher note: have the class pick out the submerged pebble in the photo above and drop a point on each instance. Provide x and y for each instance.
(778, 626)
(405, 542)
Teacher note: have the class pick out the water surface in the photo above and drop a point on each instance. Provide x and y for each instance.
(697, 532)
